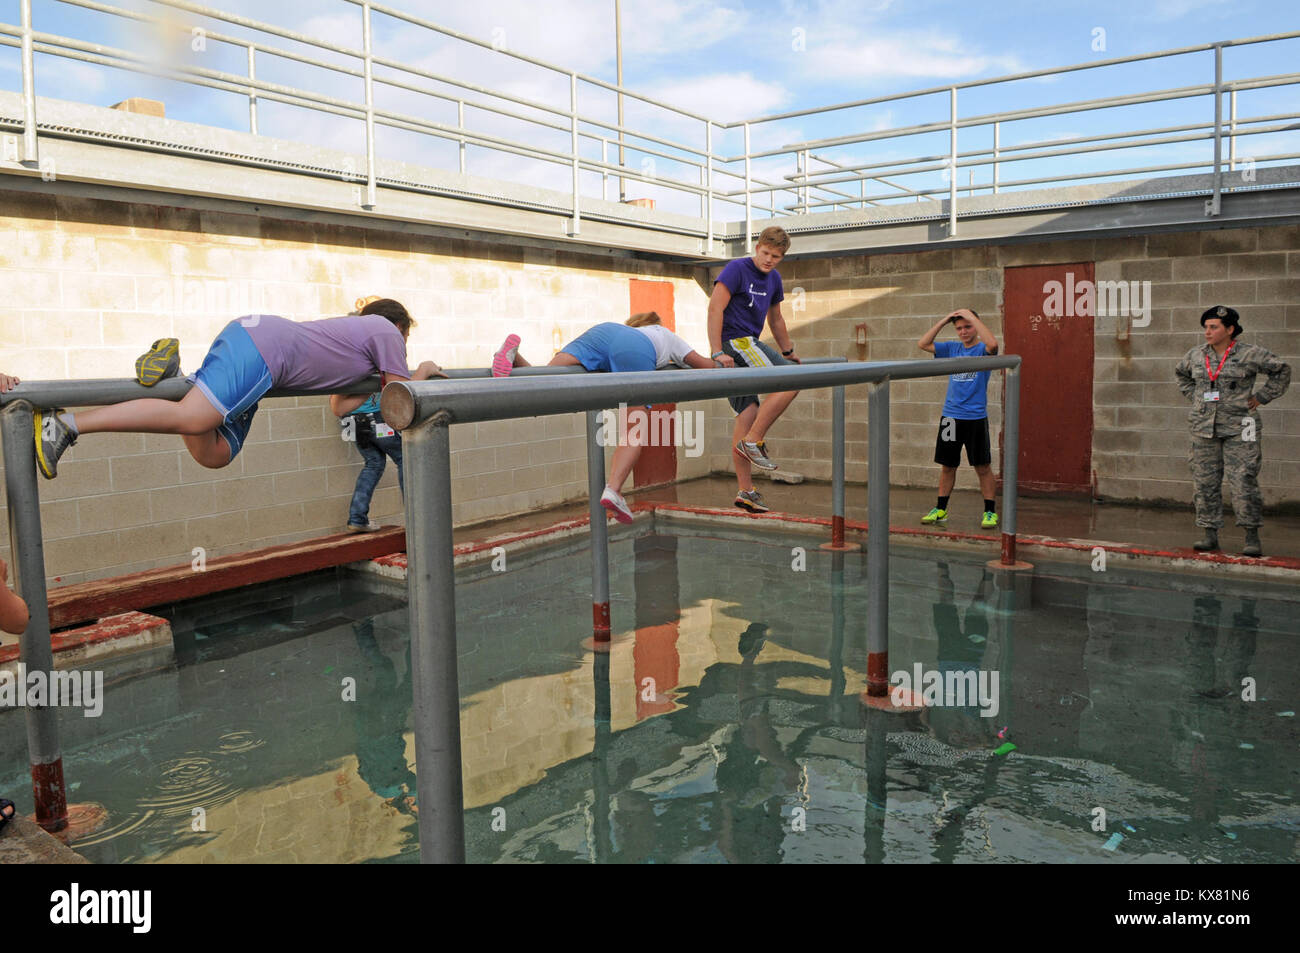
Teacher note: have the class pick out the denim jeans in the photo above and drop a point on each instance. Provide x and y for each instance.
(373, 449)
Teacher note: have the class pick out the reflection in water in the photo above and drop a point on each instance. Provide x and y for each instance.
(725, 727)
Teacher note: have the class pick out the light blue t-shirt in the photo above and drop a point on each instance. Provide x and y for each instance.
(967, 393)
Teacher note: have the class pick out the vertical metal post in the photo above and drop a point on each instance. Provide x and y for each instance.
(749, 223)
(604, 173)
(460, 124)
(837, 466)
(370, 108)
(878, 539)
(27, 547)
(618, 79)
(708, 212)
(1010, 464)
(1232, 130)
(997, 152)
(1213, 206)
(431, 596)
(805, 168)
(575, 225)
(952, 162)
(600, 624)
(252, 91)
(30, 153)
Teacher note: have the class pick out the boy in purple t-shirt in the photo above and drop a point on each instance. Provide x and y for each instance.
(747, 294)
(249, 357)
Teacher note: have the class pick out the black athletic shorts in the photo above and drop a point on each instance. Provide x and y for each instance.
(971, 434)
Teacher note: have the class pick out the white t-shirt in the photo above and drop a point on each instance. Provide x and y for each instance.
(669, 348)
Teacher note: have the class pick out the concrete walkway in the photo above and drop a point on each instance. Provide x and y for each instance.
(1109, 524)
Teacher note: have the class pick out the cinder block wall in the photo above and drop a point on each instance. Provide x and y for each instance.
(91, 283)
(1140, 437)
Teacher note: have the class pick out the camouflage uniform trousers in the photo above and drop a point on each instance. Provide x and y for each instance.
(1208, 458)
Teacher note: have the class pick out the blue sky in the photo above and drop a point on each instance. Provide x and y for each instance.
(728, 60)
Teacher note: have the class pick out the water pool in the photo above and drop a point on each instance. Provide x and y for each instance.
(722, 726)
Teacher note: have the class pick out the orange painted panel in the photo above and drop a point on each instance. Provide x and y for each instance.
(656, 464)
(1051, 326)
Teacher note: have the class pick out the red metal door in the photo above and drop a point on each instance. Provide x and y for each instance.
(1048, 320)
(656, 464)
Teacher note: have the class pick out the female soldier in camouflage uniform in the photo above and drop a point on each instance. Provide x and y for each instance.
(1218, 378)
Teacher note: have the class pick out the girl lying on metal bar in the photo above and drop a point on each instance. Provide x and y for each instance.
(251, 355)
(643, 344)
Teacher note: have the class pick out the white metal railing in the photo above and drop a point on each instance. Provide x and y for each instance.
(713, 181)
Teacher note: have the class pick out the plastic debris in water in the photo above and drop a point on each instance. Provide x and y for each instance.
(1130, 828)
(1003, 733)
(1246, 746)
(1230, 835)
(329, 669)
(1004, 748)
(1286, 714)
(1115, 840)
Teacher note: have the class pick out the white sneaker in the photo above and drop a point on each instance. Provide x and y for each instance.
(614, 502)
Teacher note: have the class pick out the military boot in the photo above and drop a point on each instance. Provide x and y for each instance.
(1252, 547)
(1211, 540)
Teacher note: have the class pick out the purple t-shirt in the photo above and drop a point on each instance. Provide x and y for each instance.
(327, 354)
(752, 294)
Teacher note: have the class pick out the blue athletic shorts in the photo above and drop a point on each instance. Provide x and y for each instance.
(751, 352)
(613, 347)
(233, 378)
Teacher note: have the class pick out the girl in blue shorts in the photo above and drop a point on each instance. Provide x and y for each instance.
(642, 344)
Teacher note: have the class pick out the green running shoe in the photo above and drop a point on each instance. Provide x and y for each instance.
(161, 361)
(936, 515)
(990, 520)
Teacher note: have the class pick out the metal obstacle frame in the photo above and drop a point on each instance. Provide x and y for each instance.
(424, 412)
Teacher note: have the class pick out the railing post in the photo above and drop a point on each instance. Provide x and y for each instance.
(1010, 463)
(460, 124)
(27, 546)
(252, 90)
(1232, 131)
(708, 212)
(575, 225)
(370, 108)
(878, 539)
(997, 152)
(30, 153)
(431, 598)
(801, 166)
(600, 624)
(952, 162)
(604, 173)
(749, 222)
(1214, 205)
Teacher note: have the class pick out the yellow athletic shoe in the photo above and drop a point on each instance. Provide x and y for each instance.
(161, 361)
(990, 520)
(936, 515)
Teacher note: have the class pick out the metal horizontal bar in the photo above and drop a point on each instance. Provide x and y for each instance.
(91, 393)
(211, 35)
(483, 44)
(1012, 77)
(405, 403)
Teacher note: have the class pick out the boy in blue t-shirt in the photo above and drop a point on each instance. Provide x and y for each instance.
(965, 420)
(746, 295)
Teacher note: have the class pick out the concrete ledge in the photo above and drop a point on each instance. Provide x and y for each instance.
(24, 842)
(110, 637)
(105, 597)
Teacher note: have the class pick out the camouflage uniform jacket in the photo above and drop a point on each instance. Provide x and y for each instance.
(1234, 383)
